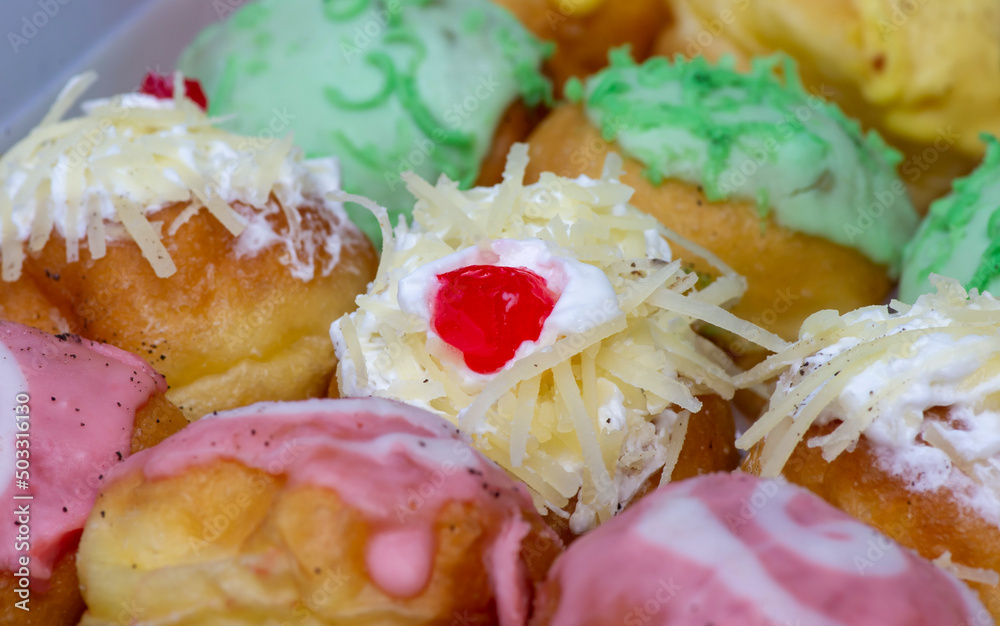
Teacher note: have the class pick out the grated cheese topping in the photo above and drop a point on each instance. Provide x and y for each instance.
(921, 383)
(589, 412)
(99, 177)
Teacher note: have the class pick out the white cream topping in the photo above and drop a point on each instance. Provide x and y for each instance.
(880, 371)
(101, 176)
(571, 415)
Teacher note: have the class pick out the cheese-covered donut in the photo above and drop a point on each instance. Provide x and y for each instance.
(313, 512)
(551, 323)
(892, 413)
(732, 549)
(219, 258)
(72, 411)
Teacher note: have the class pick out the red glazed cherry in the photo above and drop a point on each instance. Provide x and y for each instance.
(162, 86)
(488, 311)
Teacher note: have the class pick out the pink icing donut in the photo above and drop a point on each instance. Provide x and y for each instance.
(67, 408)
(394, 466)
(730, 549)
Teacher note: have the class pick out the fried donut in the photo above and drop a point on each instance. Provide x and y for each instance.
(386, 86)
(732, 549)
(891, 416)
(926, 75)
(219, 259)
(313, 512)
(73, 409)
(779, 184)
(551, 324)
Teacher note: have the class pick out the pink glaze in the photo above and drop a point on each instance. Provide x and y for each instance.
(83, 401)
(732, 549)
(395, 464)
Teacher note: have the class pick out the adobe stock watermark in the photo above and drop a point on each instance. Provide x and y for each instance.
(31, 25)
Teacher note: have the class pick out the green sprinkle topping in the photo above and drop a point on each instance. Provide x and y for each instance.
(756, 136)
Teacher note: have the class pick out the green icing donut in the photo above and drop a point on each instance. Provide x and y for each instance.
(755, 137)
(960, 237)
(384, 85)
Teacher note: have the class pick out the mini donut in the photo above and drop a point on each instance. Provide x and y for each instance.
(960, 237)
(732, 549)
(220, 259)
(73, 410)
(926, 75)
(551, 324)
(313, 512)
(386, 86)
(585, 30)
(890, 414)
(784, 188)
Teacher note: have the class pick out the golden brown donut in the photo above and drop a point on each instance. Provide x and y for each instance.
(240, 332)
(316, 512)
(220, 259)
(76, 371)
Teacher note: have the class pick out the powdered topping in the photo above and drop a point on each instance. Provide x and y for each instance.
(731, 549)
(81, 399)
(99, 178)
(921, 383)
(396, 465)
(599, 402)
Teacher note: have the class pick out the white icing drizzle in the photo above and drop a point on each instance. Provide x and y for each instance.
(101, 176)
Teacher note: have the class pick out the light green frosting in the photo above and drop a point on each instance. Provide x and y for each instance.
(960, 237)
(385, 85)
(755, 137)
